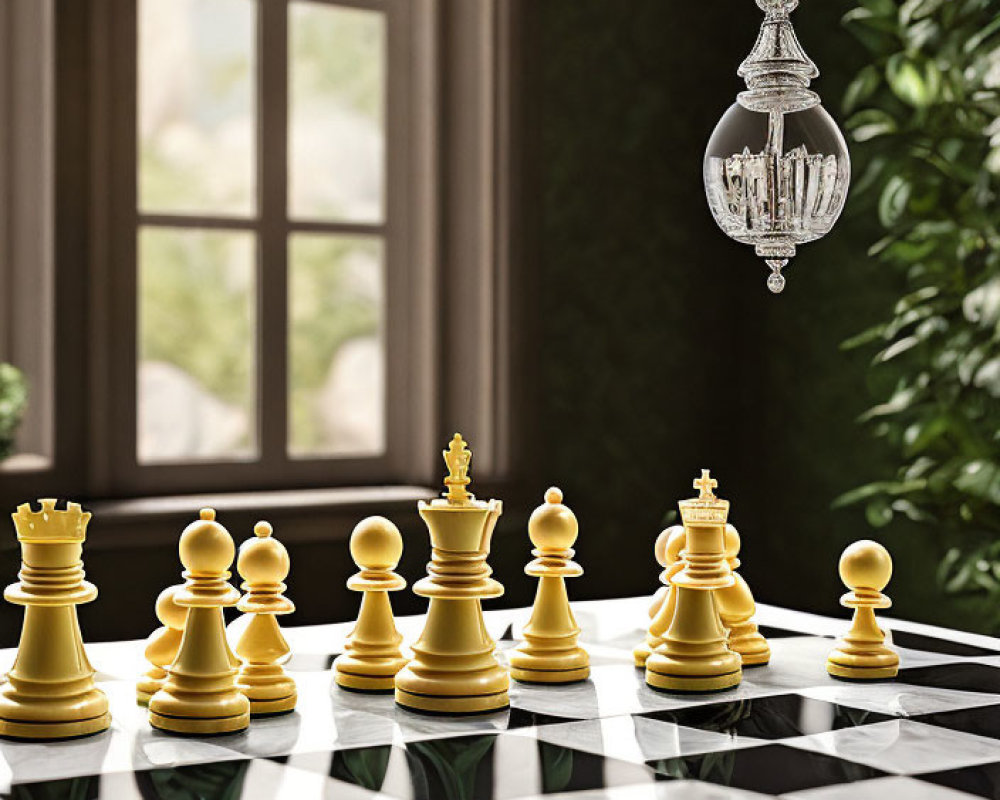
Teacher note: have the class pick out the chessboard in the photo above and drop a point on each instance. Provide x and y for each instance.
(788, 729)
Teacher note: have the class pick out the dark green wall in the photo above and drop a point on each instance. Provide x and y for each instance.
(661, 351)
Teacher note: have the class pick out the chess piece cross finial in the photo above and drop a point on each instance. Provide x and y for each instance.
(705, 484)
(458, 457)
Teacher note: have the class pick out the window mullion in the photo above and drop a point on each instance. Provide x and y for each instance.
(272, 155)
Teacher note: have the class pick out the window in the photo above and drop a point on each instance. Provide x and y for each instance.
(209, 199)
(280, 243)
(26, 219)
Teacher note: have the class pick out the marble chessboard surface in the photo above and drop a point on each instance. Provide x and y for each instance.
(788, 730)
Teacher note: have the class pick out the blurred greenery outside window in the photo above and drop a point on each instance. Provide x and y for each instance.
(199, 360)
(925, 123)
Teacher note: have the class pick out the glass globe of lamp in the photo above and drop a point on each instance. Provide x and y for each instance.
(777, 168)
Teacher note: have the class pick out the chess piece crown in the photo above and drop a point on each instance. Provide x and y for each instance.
(263, 564)
(55, 578)
(461, 530)
(51, 524)
(704, 519)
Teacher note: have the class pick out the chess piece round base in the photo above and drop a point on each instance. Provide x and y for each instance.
(377, 684)
(148, 685)
(693, 683)
(870, 667)
(539, 665)
(641, 654)
(452, 704)
(77, 708)
(273, 707)
(753, 650)
(18, 729)
(550, 676)
(199, 727)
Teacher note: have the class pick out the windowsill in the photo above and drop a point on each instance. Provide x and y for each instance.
(337, 499)
(25, 462)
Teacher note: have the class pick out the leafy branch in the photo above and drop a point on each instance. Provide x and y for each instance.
(924, 115)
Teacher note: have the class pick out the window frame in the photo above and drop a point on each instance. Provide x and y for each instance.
(460, 233)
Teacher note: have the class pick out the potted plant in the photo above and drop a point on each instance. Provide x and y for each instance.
(13, 401)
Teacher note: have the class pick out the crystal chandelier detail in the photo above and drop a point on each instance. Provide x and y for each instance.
(777, 168)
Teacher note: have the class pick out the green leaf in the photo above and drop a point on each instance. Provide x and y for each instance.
(913, 82)
(870, 124)
(864, 85)
(973, 42)
(897, 348)
(878, 513)
(981, 479)
(913, 10)
(868, 336)
(892, 202)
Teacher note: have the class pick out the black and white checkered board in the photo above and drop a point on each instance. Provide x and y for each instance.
(788, 730)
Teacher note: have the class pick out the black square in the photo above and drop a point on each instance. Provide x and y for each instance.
(982, 780)
(769, 632)
(777, 717)
(931, 644)
(770, 769)
(466, 766)
(981, 721)
(967, 676)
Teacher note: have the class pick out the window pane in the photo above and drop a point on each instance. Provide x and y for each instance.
(197, 320)
(196, 106)
(336, 348)
(336, 143)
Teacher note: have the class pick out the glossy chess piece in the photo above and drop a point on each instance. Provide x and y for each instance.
(737, 608)
(694, 656)
(163, 644)
(372, 654)
(199, 695)
(454, 669)
(263, 564)
(50, 691)
(660, 554)
(550, 652)
(669, 545)
(861, 654)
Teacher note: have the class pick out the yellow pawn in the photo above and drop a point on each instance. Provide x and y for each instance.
(50, 691)
(372, 655)
(163, 644)
(737, 608)
(263, 564)
(550, 653)
(199, 695)
(694, 656)
(865, 569)
(667, 550)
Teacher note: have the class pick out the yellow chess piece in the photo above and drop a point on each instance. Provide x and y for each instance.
(861, 654)
(372, 656)
(660, 554)
(163, 644)
(263, 564)
(693, 656)
(550, 653)
(454, 669)
(199, 695)
(737, 608)
(50, 691)
(669, 545)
